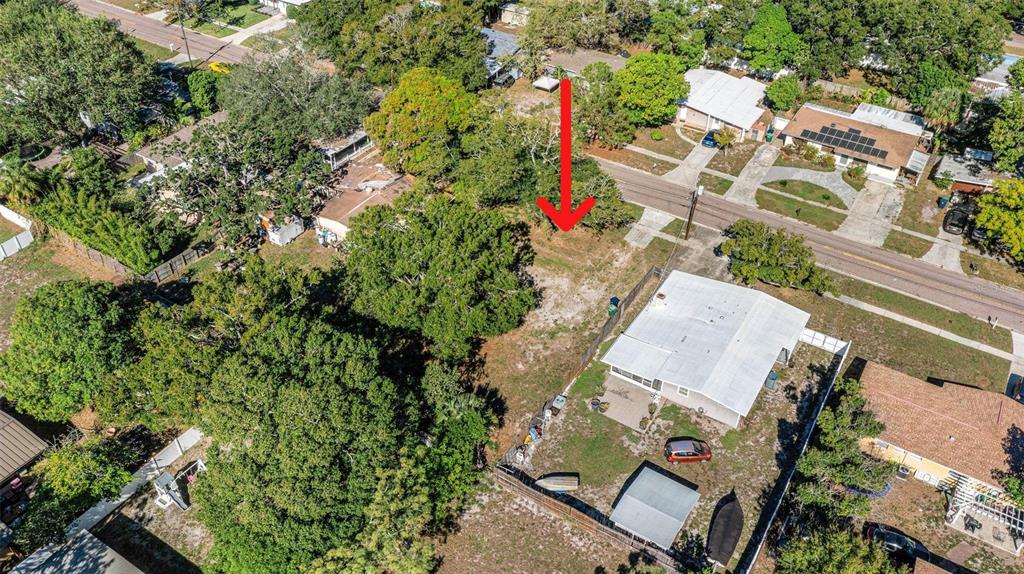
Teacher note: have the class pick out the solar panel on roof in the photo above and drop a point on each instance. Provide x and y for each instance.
(882, 153)
(870, 141)
(806, 134)
(854, 131)
(859, 148)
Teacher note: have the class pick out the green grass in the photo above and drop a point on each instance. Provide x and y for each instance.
(276, 40)
(792, 159)
(807, 212)
(994, 271)
(731, 439)
(733, 160)
(8, 230)
(633, 159)
(595, 450)
(808, 191)
(671, 144)
(139, 6)
(906, 244)
(920, 212)
(242, 16)
(153, 52)
(209, 28)
(897, 345)
(682, 423)
(854, 182)
(23, 273)
(953, 321)
(714, 184)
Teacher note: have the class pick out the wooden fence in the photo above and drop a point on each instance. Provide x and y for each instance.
(106, 261)
(855, 92)
(175, 265)
(582, 516)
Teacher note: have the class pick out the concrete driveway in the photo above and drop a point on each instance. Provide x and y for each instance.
(745, 187)
(872, 213)
(689, 171)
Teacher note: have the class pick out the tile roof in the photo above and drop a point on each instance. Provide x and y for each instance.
(18, 446)
(899, 145)
(960, 427)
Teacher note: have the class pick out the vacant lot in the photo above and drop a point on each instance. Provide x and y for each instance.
(732, 160)
(807, 212)
(906, 244)
(920, 211)
(747, 460)
(919, 510)
(994, 271)
(303, 252)
(901, 347)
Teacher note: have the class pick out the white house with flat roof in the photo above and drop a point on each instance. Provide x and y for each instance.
(718, 100)
(707, 345)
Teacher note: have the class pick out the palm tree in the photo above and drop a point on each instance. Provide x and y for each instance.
(20, 183)
(943, 107)
(725, 137)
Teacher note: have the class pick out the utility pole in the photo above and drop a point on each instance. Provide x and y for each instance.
(693, 207)
(188, 52)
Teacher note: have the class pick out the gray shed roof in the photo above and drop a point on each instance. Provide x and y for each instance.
(974, 166)
(83, 554)
(718, 339)
(654, 507)
(500, 44)
(18, 446)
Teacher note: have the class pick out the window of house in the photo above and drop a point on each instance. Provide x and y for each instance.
(683, 392)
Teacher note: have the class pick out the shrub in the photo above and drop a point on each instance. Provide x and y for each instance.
(783, 93)
(204, 86)
(858, 171)
(809, 152)
(756, 252)
(826, 160)
(657, 136)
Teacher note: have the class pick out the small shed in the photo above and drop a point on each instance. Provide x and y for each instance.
(513, 14)
(654, 506)
(18, 447)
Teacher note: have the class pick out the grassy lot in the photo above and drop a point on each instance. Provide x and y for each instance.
(854, 182)
(919, 510)
(153, 52)
(901, 347)
(304, 252)
(748, 460)
(807, 212)
(210, 28)
(242, 16)
(671, 144)
(8, 230)
(920, 208)
(21, 274)
(855, 78)
(139, 6)
(633, 159)
(278, 39)
(731, 161)
(953, 321)
(906, 244)
(994, 271)
(714, 184)
(808, 191)
(789, 158)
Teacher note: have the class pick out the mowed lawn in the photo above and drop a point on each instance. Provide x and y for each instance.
(897, 345)
(906, 244)
(809, 191)
(801, 210)
(153, 52)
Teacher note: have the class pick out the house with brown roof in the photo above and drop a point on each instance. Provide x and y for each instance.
(19, 447)
(957, 438)
(888, 142)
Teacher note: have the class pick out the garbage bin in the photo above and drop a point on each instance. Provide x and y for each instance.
(943, 201)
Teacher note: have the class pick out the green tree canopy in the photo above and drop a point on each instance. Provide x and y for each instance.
(784, 92)
(283, 93)
(834, 552)
(1016, 77)
(835, 462)
(66, 337)
(1007, 134)
(418, 125)
(447, 269)
(834, 32)
(60, 66)
(237, 173)
(674, 31)
(597, 117)
(1002, 216)
(588, 180)
(932, 77)
(757, 253)
(72, 478)
(570, 24)
(771, 42)
(726, 22)
(649, 87)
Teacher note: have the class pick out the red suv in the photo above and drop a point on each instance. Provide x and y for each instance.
(687, 450)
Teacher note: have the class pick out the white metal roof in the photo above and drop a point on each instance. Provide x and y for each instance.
(918, 161)
(718, 339)
(654, 507)
(732, 100)
(889, 118)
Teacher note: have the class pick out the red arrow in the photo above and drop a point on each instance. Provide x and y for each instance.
(566, 218)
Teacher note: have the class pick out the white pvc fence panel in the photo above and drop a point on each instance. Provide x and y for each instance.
(19, 241)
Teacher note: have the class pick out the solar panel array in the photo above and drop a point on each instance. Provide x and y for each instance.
(845, 139)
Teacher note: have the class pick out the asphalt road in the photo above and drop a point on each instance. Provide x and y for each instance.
(204, 48)
(970, 295)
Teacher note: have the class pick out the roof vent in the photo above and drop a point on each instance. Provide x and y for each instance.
(952, 438)
(660, 296)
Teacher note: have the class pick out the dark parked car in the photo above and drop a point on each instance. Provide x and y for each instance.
(709, 139)
(902, 548)
(687, 450)
(1015, 387)
(956, 221)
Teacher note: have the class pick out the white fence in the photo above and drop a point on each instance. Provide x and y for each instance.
(19, 241)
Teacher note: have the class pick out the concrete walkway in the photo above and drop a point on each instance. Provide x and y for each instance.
(946, 253)
(830, 180)
(745, 188)
(689, 170)
(872, 214)
(648, 227)
(1012, 357)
